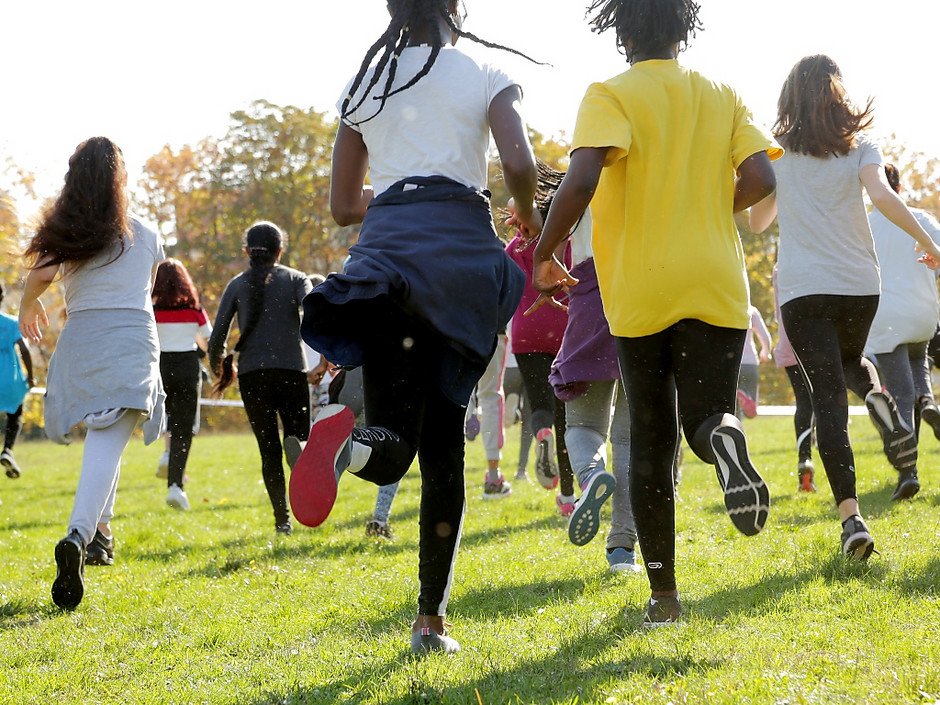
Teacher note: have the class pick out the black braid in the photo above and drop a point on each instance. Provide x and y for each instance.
(646, 26)
(407, 15)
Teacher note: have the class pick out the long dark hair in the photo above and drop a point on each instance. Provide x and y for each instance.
(173, 288)
(264, 241)
(89, 216)
(814, 113)
(646, 26)
(408, 16)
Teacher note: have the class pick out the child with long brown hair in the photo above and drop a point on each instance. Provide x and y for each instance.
(827, 272)
(105, 369)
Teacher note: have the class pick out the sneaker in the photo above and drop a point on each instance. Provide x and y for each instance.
(293, 447)
(522, 475)
(425, 640)
(313, 481)
(623, 560)
(662, 612)
(908, 485)
(747, 404)
(747, 498)
(496, 490)
(284, 527)
(546, 467)
(900, 444)
(100, 551)
(930, 414)
(177, 498)
(472, 427)
(69, 585)
(585, 520)
(565, 506)
(9, 464)
(163, 465)
(856, 540)
(378, 529)
(806, 472)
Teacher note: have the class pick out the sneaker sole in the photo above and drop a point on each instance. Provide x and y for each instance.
(12, 471)
(496, 495)
(545, 471)
(585, 520)
(859, 545)
(747, 499)
(312, 487)
(806, 483)
(422, 644)
(69, 586)
(177, 504)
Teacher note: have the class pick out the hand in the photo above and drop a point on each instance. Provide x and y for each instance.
(930, 259)
(32, 313)
(548, 278)
(529, 226)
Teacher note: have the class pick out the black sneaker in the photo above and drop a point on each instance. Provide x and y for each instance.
(69, 585)
(285, 528)
(9, 464)
(100, 551)
(546, 467)
(857, 542)
(747, 499)
(662, 612)
(930, 414)
(908, 485)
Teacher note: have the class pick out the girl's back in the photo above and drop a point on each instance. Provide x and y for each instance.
(826, 245)
(439, 126)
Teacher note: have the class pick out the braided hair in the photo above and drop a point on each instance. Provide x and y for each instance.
(264, 241)
(407, 15)
(646, 26)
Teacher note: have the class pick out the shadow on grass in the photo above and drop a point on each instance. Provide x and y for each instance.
(570, 674)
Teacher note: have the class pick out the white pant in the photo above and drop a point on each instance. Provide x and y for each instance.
(489, 395)
(107, 436)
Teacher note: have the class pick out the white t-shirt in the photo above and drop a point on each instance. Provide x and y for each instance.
(437, 127)
(908, 307)
(826, 245)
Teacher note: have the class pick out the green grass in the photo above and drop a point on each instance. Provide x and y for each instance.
(212, 607)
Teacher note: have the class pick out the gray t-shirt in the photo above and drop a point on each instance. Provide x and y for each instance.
(826, 245)
(274, 343)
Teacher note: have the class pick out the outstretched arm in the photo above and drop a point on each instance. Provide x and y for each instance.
(894, 209)
(571, 200)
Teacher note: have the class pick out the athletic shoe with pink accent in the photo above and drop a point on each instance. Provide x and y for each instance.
(313, 480)
(748, 405)
(565, 507)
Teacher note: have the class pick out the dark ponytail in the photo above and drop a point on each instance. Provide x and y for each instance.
(264, 241)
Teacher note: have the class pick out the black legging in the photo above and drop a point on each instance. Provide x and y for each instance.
(828, 334)
(803, 416)
(14, 425)
(692, 363)
(407, 414)
(268, 394)
(547, 409)
(180, 373)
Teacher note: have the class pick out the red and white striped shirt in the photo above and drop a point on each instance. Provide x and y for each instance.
(178, 328)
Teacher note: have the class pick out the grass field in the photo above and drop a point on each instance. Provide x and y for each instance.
(211, 606)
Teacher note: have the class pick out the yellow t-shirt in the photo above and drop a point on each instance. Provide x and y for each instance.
(665, 243)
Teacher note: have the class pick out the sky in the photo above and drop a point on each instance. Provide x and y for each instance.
(152, 74)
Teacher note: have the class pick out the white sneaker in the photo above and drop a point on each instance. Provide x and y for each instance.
(177, 498)
(163, 464)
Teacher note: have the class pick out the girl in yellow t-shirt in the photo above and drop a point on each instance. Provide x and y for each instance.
(658, 149)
